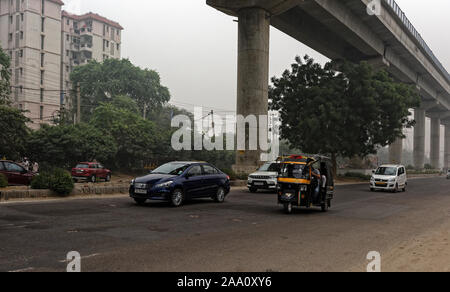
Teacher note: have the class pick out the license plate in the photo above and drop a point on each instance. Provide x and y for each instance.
(140, 191)
(258, 183)
(381, 184)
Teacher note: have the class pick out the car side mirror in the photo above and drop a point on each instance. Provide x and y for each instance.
(373, 171)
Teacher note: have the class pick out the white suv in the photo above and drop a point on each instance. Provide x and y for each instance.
(266, 178)
(389, 178)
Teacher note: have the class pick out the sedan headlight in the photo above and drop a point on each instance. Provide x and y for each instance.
(392, 180)
(372, 179)
(164, 185)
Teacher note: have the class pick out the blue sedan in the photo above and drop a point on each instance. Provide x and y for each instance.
(177, 182)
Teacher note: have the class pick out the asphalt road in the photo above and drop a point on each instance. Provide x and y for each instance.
(247, 233)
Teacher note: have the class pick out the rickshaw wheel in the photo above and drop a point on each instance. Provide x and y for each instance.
(288, 208)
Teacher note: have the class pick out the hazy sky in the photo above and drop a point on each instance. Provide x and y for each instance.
(194, 47)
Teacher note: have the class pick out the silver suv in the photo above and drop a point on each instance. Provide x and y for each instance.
(266, 178)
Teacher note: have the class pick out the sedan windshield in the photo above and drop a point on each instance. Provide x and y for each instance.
(171, 168)
(386, 171)
(272, 167)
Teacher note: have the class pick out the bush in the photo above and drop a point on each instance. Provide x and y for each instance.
(358, 175)
(3, 181)
(235, 176)
(61, 182)
(57, 180)
(41, 181)
(428, 166)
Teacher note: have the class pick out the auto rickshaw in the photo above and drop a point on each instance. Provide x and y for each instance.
(301, 185)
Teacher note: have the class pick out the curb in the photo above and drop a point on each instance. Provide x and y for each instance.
(78, 191)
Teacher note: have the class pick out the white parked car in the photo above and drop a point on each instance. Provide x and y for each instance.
(266, 178)
(389, 178)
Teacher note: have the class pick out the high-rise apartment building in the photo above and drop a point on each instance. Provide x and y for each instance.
(45, 44)
(87, 37)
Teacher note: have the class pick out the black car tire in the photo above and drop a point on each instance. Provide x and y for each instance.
(396, 189)
(325, 206)
(177, 198)
(253, 190)
(219, 197)
(93, 179)
(140, 202)
(287, 208)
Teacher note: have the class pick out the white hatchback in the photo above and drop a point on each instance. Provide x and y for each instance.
(389, 178)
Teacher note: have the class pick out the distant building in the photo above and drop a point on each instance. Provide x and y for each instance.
(87, 37)
(45, 44)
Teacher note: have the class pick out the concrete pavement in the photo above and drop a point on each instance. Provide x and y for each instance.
(247, 233)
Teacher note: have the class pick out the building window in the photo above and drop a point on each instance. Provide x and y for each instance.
(68, 21)
(42, 60)
(42, 77)
(42, 95)
(21, 35)
(21, 17)
(68, 37)
(67, 69)
(43, 6)
(43, 24)
(21, 53)
(41, 113)
(42, 42)
(67, 53)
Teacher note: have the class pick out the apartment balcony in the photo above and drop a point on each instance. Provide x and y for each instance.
(86, 48)
(86, 31)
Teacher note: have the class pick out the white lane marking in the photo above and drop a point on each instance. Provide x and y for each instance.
(83, 258)
(22, 270)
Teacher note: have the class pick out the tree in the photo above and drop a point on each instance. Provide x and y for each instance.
(137, 140)
(14, 132)
(5, 75)
(100, 82)
(64, 146)
(348, 112)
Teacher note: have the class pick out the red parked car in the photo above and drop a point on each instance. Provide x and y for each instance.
(90, 171)
(15, 173)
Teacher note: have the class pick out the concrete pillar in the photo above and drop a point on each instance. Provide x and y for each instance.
(419, 138)
(435, 142)
(253, 75)
(396, 151)
(447, 147)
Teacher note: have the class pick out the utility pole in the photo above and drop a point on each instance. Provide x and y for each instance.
(213, 125)
(78, 104)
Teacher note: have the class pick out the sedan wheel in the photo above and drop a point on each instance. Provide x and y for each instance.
(93, 179)
(177, 198)
(220, 196)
